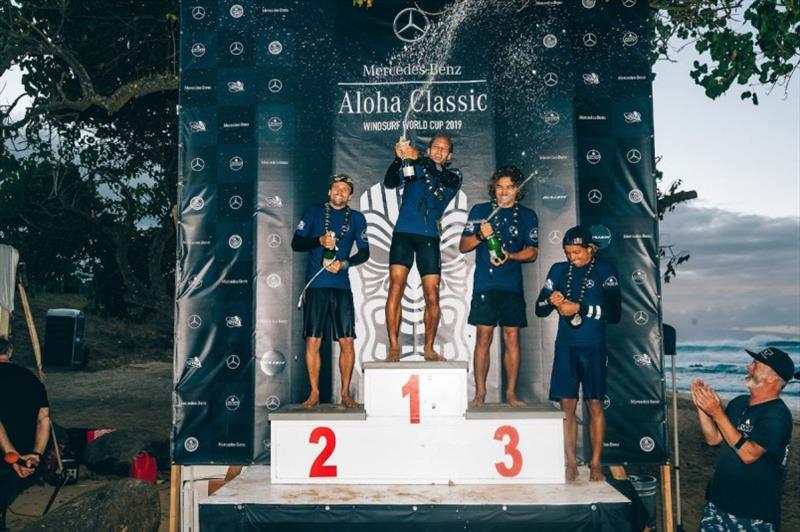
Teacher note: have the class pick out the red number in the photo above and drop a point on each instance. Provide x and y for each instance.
(318, 468)
(411, 388)
(510, 450)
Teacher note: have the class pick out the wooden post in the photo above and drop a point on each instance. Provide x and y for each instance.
(666, 498)
(174, 497)
(37, 349)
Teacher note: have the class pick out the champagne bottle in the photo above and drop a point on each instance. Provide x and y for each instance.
(329, 254)
(495, 247)
(407, 165)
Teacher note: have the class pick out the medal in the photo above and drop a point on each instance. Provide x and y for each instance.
(577, 320)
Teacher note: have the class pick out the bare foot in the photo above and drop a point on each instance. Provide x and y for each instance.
(312, 401)
(393, 356)
(596, 473)
(477, 401)
(433, 356)
(349, 402)
(513, 401)
(571, 472)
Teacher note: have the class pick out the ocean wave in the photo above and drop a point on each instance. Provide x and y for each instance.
(754, 343)
(712, 368)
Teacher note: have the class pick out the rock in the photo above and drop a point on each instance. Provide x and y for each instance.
(125, 504)
(112, 453)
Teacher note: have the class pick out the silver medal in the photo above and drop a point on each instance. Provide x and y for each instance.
(576, 320)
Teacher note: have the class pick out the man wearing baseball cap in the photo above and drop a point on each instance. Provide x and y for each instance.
(584, 290)
(756, 430)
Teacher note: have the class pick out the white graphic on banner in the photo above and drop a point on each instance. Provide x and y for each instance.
(410, 25)
(371, 281)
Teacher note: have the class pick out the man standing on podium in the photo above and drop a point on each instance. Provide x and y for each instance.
(327, 232)
(584, 291)
(503, 234)
(428, 187)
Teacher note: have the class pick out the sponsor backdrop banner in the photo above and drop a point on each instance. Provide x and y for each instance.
(278, 95)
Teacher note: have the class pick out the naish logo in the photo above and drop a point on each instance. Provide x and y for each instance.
(591, 78)
(632, 117)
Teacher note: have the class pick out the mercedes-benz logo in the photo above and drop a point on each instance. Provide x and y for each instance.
(633, 156)
(640, 317)
(550, 40)
(647, 444)
(273, 402)
(197, 164)
(588, 4)
(236, 11)
(232, 403)
(595, 196)
(197, 203)
(274, 240)
(551, 118)
(198, 12)
(274, 85)
(274, 123)
(235, 241)
(235, 163)
(273, 280)
(635, 196)
(629, 38)
(551, 79)
(606, 402)
(194, 321)
(236, 48)
(589, 39)
(410, 25)
(198, 49)
(628, 3)
(235, 202)
(275, 47)
(232, 361)
(638, 277)
(554, 237)
(191, 444)
(593, 156)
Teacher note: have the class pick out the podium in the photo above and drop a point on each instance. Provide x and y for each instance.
(415, 428)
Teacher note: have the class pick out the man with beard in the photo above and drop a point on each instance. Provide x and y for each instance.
(327, 232)
(428, 187)
(497, 295)
(745, 492)
(585, 292)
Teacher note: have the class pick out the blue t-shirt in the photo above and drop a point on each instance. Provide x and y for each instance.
(425, 198)
(312, 224)
(525, 233)
(602, 291)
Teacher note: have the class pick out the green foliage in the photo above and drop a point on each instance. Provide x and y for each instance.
(755, 44)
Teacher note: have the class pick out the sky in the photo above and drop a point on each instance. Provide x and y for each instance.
(743, 232)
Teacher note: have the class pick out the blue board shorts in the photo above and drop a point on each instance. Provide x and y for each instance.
(576, 366)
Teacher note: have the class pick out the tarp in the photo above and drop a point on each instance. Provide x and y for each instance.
(9, 257)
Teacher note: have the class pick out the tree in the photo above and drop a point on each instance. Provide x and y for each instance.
(93, 152)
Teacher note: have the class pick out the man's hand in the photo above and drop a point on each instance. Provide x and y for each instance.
(328, 240)
(32, 460)
(706, 399)
(556, 298)
(486, 230)
(335, 266)
(568, 308)
(499, 262)
(404, 150)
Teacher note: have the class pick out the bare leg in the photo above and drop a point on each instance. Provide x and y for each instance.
(597, 431)
(481, 362)
(511, 362)
(347, 359)
(312, 365)
(398, 274)
(430, 289)
(568, 406)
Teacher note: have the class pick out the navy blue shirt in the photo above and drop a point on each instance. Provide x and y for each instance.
(312, 224)
(425, 197)
(601, 302)
(524, 234)
(769, 425)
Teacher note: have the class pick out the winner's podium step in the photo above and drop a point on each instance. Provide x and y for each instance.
(493, 444)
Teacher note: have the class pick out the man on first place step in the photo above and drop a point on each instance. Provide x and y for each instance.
(501, 242)
(327, 232)
(428, 187)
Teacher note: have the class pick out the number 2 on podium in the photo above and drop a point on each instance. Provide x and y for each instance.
(319, 468)
(411, 388)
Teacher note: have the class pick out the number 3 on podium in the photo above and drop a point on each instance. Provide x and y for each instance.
(510, 450)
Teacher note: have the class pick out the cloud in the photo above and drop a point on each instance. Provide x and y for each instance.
(743, 275)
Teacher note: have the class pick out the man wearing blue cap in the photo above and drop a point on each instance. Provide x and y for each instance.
(756, 430)
(584, 290)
